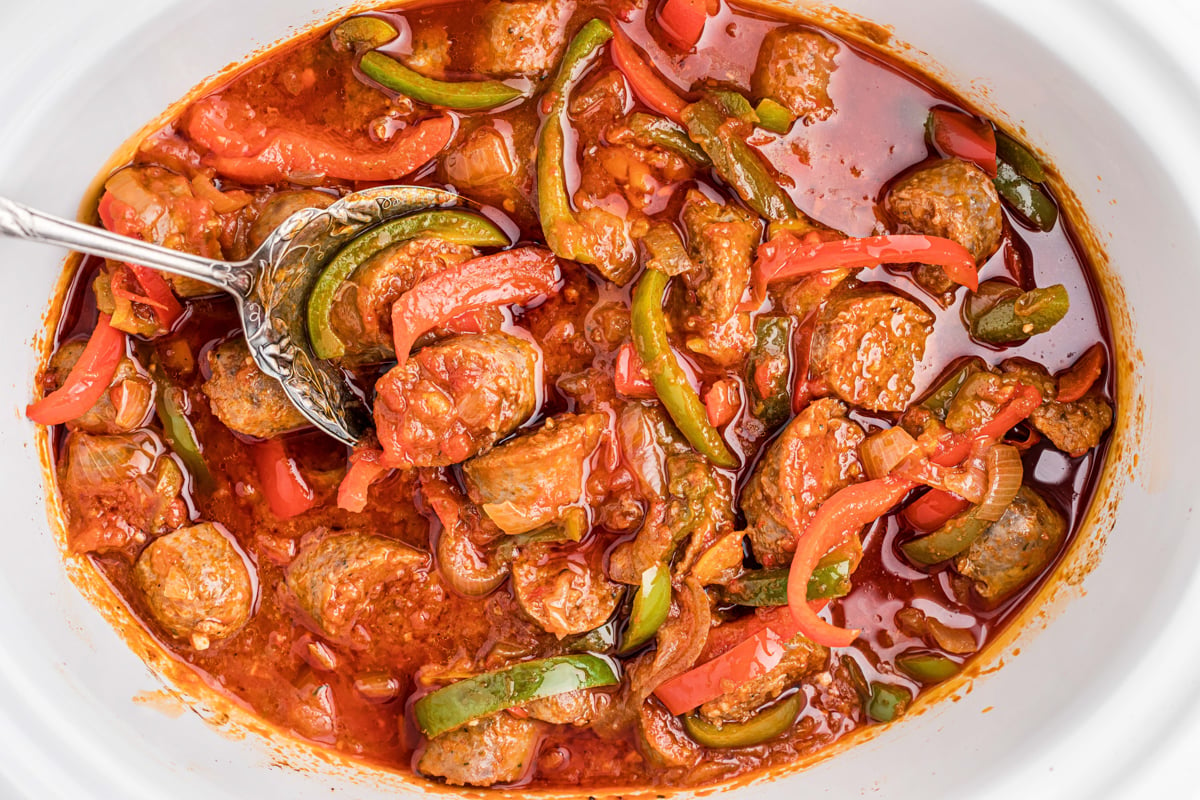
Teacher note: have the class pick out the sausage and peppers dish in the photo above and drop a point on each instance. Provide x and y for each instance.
(752, 388)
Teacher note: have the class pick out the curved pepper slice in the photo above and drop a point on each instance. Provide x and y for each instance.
(953, 537)
(171, 406)
(86, 381)
(737, 162)
(602, 239)
(963, 136)
(786, 257)
(647, 85)
(451, 225)
(663, 133)
(762, 727)
(768, 587)
(1021, 315)
(459, 95)
(671, 383)
(1075, 381)
(512, 276)
(651, 605)
(838, 517)
(457, 704)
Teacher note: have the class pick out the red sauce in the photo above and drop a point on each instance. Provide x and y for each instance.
(279, 664)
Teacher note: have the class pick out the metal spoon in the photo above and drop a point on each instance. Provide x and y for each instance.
(271, 287)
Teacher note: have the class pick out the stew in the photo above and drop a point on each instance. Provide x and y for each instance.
(755, 387)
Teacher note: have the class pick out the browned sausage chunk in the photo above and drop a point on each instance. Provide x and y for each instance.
(118, 490)
(794, 67)
(1014, 550)
(801, 657)
(196, 584)
(579, 707)
(1074, 427)
(564, 592)
(952, 199)
(455, 399)
(528, 482)
(127, 404)
(816, 455)
(721, 242)
(245, 398)
(867, 345)
(522, 37)
(496, 749)
(336, 578)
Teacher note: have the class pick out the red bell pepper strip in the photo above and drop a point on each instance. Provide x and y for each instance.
(511, 276)
(156, 292)
(87, 381)
(647, 85)
(254, 154)
(785, 256)
(837, 518)
(683, 21)
(760, 649)
(286, 491)
(1075, 381)
(364, 470)
(630, 374)
(963, 136)
(933, 509)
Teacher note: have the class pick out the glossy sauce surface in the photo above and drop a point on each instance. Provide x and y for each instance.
(420, 630)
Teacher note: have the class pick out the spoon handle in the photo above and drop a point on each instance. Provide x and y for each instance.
(22, 222)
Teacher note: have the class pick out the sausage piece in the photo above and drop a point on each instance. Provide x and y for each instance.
(522, 37)
(867, 345)
(245, 398)
(563, 592)
(281, 205)
(801, 657)
(495, 749)
(336, 578)
(118, 490)
(1014, 550)
(721, 242)
(196, 584)
(816, 455)
(527, 482)
(455, 399)
(953, 199)
(794, 67)
(1074, 427)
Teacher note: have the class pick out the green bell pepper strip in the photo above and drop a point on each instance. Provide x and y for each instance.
(651, 605)
(947, 541)
(452, 225)
(458, 95)
(177, 429)
(927, 667)
(735, 104)
(661, 132)
(768, 587)
(1026, 197)
(1017, 317)
(671, 384)
(1018, 156)
(736, 162)
(762, 727)
(938, 402)
(774, 116)
(455, 705)
(364, 33)
(886, 702)
(559, 223)
(768, 371)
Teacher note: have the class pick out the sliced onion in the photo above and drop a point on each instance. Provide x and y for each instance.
(222, 203)
(881, 452)
(378, 686)
(125, 187)
(959, 641)
(131, 399)
(1004, 475)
